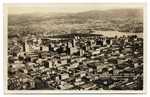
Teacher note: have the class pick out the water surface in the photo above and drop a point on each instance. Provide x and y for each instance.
(116, 33)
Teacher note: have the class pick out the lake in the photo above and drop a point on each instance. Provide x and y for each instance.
(116, 33)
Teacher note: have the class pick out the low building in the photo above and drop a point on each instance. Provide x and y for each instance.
(45, 48)
(63, 76)
(87, 86)
(94, 52)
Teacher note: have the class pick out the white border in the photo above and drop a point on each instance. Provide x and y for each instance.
(70, 91)
(75, 1)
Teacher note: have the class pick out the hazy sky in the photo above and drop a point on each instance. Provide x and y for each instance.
(65, 8)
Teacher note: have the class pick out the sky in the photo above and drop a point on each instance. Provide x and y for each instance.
(64, 8)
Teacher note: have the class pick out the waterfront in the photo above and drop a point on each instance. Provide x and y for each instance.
(116, 33)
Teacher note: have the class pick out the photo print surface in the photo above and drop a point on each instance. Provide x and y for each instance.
(89, 48)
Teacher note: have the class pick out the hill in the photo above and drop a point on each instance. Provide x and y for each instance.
(93, 14)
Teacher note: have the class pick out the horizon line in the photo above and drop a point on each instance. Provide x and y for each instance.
(74, 12)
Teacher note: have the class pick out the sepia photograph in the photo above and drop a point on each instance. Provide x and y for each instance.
(75, 48)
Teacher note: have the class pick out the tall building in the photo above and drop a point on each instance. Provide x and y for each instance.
(62, 49)
(26, 47)
(47, 64)
(73, 43)
(81, 52)
(86, 48)
(72, 50)
(39, 41)
(77, 37)
(52, 45)
(100, 42)
(108, 40)
(69, 45)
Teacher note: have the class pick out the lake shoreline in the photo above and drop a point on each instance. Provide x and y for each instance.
(117, 33)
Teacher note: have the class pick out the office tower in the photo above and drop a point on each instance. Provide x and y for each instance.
(26, 47)
(72, 50)
(100, 42)
(73, 43)
(81, 52)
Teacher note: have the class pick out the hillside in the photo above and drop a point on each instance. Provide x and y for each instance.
(111, 14)
(94, 14)
(54, 24)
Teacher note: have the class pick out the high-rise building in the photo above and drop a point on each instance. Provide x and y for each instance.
(81, 52)
(86, 48)
(26, 47)
(109, 41)
(47, 64)
(72, 50)
(39, 41)
(69, 45)
(73, 43)
(100, 42)
(52, 45)
(77, 37)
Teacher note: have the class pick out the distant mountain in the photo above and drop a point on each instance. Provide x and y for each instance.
(93, 14)
(38, 16)
(113, 13)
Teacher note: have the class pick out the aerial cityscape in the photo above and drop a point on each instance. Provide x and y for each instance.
(91, 50)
